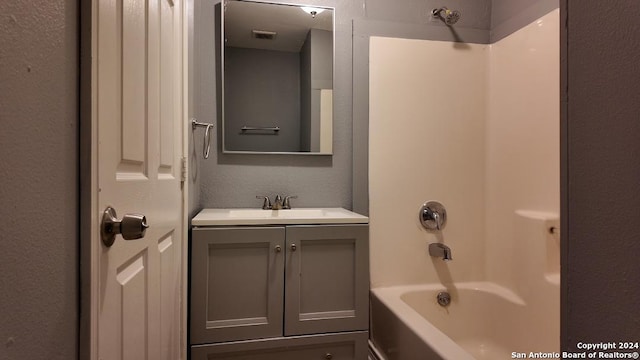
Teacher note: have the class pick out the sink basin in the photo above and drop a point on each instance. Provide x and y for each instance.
(212, 217)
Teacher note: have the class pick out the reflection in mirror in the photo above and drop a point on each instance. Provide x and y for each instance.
(277, 78)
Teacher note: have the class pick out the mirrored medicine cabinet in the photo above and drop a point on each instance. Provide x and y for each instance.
(277, 78)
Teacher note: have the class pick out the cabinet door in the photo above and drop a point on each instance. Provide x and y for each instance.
(326, 279)
(343, 346)
(236, 283)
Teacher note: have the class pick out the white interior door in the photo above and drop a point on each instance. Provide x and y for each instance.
(137, 107)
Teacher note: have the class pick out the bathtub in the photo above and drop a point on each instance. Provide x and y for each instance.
(483, 321)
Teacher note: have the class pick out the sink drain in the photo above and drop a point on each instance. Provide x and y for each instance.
(444, 299)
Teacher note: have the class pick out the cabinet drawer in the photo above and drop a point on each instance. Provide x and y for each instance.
(343, 346)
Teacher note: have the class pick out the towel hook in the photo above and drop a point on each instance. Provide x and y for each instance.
(207, 135)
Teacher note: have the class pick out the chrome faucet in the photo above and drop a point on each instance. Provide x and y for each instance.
(286, 204)
(266, 204)
(278, 203)
(440, 250)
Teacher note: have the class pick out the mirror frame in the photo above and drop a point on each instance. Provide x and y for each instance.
(222, 80)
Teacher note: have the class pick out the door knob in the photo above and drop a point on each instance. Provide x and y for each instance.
(131, 227)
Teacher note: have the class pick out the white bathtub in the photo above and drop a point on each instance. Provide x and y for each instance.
(483, 321)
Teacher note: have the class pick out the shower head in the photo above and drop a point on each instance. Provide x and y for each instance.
(449, 17)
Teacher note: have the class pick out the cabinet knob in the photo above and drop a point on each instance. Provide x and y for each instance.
(293, 247)
(278, 248)
(328, 356)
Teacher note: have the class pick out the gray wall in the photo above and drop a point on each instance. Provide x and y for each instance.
(39, 171)
(507, 16)
(305, 94)
(262, 89)
(229, 180)
(321, 59)
(316, 72)
(601, 196)
(321, 78)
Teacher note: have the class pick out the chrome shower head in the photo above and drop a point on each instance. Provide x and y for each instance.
(449, 17)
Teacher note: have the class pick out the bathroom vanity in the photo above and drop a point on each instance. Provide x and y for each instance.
(279, 284)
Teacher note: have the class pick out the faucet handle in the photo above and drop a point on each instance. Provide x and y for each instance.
(266, 205)
(287, 204)
(433, 216)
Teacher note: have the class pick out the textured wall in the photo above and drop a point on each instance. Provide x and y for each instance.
(39, 172)
(600, 264)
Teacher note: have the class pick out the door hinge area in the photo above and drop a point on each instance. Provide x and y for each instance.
(183, 169)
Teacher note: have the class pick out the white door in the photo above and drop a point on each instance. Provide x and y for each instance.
(137, 92)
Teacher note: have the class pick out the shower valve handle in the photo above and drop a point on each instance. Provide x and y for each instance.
(433, 216)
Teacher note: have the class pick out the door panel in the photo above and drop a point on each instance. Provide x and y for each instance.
(138, 162)
(327, 279)
(167, 89)
(133, 295)
(314, 289)
(134, 87)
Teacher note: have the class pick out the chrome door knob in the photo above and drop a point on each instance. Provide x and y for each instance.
(131, 227)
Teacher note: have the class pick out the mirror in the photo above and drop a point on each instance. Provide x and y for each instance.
(277, 78)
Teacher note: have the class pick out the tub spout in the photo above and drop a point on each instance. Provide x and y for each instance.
(440, 250)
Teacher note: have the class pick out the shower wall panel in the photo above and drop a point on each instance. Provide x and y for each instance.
(522, 141)
(427, 120)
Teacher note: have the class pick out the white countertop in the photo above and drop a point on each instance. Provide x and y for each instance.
(298, 216)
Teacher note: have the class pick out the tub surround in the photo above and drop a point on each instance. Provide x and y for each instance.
(476, 127)
(484, 320)
(426, 141)
(522, 141)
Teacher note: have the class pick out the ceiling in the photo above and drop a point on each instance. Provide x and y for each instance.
(290, 23)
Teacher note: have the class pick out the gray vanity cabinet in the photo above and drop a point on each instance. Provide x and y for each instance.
(237, 283)
(279, 292)
(340, 346)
